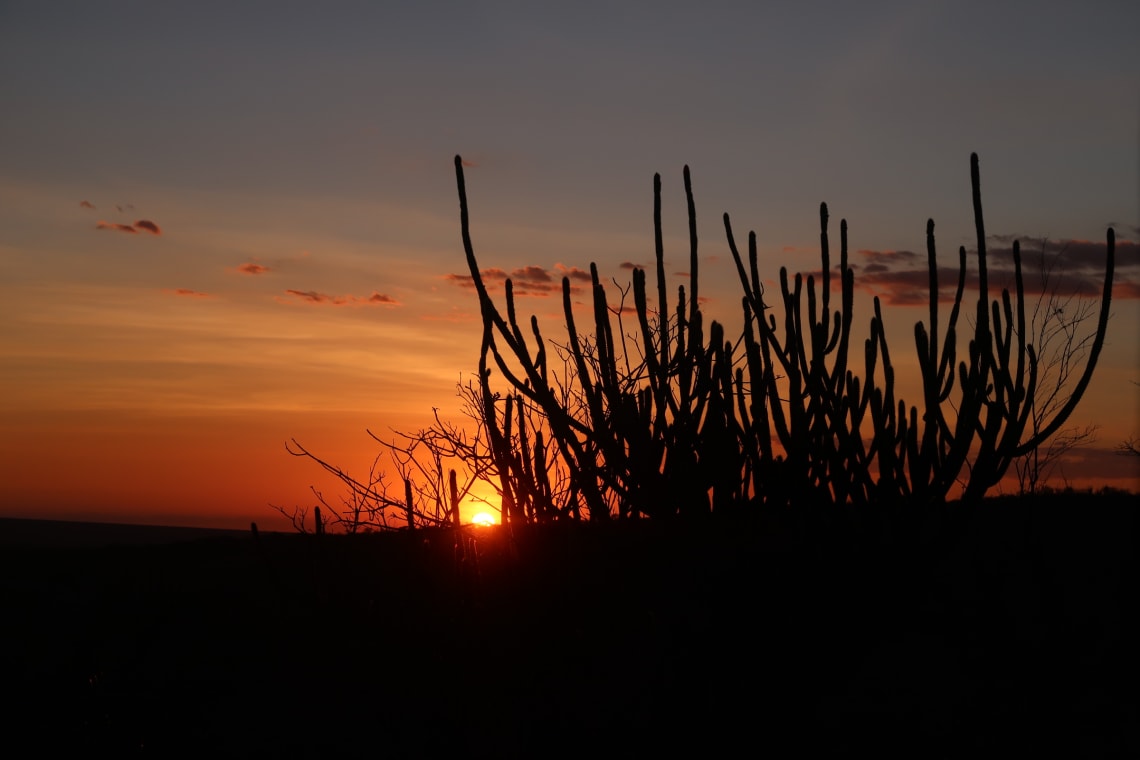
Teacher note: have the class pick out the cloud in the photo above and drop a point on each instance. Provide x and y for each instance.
(86, 204)
(186, 293)
(116, 227)
(382, 298)
(252, 268)
(323, 299)
(531, 274)
(574, 273)
(144, 225)
(1071, 267)
(529, 280)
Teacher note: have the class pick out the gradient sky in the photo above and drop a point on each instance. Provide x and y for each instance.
(223, 225)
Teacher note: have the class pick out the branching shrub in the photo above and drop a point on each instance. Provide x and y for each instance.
(778, 416)
(674, 417)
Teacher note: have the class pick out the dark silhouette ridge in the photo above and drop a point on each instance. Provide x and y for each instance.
(691, 635)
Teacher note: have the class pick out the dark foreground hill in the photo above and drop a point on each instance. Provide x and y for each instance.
(1012, 628)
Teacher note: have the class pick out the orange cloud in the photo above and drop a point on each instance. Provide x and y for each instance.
(323, 299)
(186, 293)
(116, 227)
(148, 226)
(253, 268)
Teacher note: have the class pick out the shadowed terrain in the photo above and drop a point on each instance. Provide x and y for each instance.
(1010, 626)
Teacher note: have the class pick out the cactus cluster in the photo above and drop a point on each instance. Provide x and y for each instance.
(691, 420)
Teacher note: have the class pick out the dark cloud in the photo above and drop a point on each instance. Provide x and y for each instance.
(574, 273)
(252, 268)
(531, 274)
(143, 225)
(889, 259)
(116, 227)
(1068, 267)
(86, 204)
(530, 280)
(311, 296)
(186, 293)
(323, 299)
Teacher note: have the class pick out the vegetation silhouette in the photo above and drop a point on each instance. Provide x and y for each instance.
(1058, 332)
(675, 418)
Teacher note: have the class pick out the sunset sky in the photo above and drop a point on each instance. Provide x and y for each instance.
(225, 225)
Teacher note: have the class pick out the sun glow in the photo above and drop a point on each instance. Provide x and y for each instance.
(483, 518)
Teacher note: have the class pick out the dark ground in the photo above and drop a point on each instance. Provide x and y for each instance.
(1009, 630)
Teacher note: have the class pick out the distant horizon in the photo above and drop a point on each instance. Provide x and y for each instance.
(275, 523)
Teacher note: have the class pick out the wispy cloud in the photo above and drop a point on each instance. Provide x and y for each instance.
(324, 299)
(143, 225)
(86, 204)
(186, 293)
(101, 225)
(253, 268)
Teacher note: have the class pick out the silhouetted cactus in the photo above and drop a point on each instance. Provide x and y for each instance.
(692, 426)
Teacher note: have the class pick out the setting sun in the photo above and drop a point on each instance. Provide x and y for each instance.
(483, 518)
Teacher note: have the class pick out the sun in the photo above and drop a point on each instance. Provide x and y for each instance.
(483, 518)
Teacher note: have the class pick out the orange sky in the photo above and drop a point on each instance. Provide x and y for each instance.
(218, 237)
